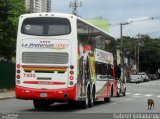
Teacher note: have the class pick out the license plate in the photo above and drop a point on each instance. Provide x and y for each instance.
(43, 95)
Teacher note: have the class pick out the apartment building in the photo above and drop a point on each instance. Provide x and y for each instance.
(35, 6)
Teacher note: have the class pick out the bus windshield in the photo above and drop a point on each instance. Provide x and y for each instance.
(46, 26)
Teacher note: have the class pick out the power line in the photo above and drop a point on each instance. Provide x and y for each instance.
(132, 29)
(137, 20)
(129, 30)
(145, 19)
(153, 32)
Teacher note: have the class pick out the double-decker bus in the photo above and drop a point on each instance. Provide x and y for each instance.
(61, 57)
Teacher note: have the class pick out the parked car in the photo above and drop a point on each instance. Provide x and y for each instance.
(144, 76)
(153, 76)
(135, 78)
(140, 77)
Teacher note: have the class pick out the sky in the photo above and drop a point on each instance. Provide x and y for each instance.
(119, 11)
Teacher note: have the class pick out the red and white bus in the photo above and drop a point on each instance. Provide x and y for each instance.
(60, 57)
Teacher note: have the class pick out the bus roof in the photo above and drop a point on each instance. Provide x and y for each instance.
(109, 35)
(66, 15)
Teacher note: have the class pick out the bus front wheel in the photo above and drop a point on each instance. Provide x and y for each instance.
(124, 93)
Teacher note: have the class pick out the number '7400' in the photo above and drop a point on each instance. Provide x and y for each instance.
(29, 75)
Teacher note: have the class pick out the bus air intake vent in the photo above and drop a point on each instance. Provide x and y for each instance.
(45, 57)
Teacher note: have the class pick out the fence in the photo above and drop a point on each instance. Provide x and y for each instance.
(7, 75)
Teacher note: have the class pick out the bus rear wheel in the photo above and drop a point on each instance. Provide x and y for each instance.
(107, 99)
(85, 103)
(91, 99)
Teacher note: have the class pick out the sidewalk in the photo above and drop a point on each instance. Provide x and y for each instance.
(6, 94)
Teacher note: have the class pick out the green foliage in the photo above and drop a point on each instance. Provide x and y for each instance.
(150, 55)
(149, 51)
(9, 13)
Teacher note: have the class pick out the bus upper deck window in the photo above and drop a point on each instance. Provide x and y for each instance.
(46, 26)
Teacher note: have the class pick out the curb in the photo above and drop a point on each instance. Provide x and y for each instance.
(3, 90)
(7, 94)
(7, 97)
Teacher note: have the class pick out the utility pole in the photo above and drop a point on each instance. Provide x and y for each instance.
(122, 47)
(74, 5)
(121, 34)
(135, 55)
(138, 58)
(138, 52)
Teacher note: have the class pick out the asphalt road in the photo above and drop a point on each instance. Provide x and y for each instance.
(134, 102)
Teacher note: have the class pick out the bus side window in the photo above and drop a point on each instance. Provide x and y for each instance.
(109, 69)
(103, 69)
(98, 68)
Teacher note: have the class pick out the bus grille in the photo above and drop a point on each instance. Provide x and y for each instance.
(45, 57)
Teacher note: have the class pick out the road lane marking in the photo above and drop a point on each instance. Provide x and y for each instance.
(128, 93)
(148, 95)
(137, 94)
(142, 95)
(158, 96)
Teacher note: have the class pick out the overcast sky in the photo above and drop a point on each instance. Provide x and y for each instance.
(118, 11)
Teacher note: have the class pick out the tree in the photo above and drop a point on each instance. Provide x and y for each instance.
(9, 13)
(150, 56)
(149, 53)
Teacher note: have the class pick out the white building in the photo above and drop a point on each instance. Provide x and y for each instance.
(35, 6)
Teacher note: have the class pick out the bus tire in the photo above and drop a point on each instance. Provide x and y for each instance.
(107, 99)
(40, 104)
(112, 91)
(118, 94)
(85, 103)
(91, 99)
(124, 93)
